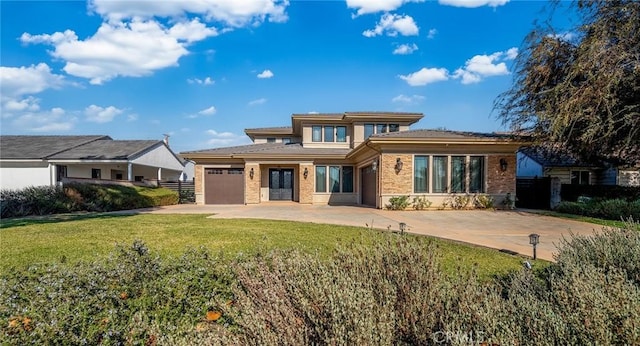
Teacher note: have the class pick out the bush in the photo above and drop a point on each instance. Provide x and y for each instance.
(612, 209)
(571, 192)
(483, 202)
(44, 200)
(421, 203)
(398, 203)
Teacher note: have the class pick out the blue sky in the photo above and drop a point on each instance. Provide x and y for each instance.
(203, 71)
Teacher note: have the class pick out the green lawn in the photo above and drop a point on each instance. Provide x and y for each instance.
(91, 237)
(602, 222)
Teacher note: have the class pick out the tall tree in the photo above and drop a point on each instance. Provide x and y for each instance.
(581, 89)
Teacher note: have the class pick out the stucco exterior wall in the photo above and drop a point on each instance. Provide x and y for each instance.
(17, 177)
(160, 156)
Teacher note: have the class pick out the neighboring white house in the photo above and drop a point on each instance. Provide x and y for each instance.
(48, 160)
(539, 162)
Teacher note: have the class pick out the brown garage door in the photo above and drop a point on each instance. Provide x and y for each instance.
(368, 186)
(224, 186)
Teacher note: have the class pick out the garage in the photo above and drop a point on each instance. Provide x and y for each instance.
(224, 186)
(368, 186)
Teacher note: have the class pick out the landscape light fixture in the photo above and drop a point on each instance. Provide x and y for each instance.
(251, 173)
(305, 173)
(534, 239)
(399, 165)
(403, 227)
(503, 164)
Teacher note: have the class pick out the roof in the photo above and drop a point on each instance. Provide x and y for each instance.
(72, 147)
(41, 147)
(107, 150)
(555, 157)
(442, 134)
(268, 150)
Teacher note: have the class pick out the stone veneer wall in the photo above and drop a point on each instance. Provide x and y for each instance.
(306, 185)
(499, 182)
(396, 183)
(252, 185)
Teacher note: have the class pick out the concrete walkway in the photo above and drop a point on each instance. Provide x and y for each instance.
(508, 230)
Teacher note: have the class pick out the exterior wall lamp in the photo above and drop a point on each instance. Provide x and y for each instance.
(503, 164)
(251, 173)
(534, 239)
(305, 173)
(398, 165)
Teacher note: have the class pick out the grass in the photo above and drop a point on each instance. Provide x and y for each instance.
(602, 222)
(93, 236)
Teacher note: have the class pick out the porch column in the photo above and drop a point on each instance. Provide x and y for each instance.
(252, 183)
(130, 171)
(306, 174)
(53, 174)
(159, 173)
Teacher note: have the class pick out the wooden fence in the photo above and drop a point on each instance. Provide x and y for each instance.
(185, 189)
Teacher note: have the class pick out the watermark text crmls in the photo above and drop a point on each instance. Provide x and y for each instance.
(458, 337)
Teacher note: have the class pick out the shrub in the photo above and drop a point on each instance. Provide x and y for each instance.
(398, 203)
(612, 209)
(421, 203)
(483, 202)
(35, 200)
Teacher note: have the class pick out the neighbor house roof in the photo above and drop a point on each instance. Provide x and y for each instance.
(264, 150)
(107, 150)
(73, 148)
(555, 157)
(41, 147)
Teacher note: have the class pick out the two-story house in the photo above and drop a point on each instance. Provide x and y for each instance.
(358, 158)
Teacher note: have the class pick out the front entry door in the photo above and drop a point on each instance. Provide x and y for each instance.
(280, 184)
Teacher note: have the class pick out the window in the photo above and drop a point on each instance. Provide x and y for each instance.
(271, 140)
(138, 178)
(321, 179)
(580, 177)
(339, 179)
(235, 171)
(347, 179)
(421, 174)
(341, 133)
(381, 128)
(458, 174)
(328, 133)
(394, 127)
(214, 171)
(95, 173)
(118, 176)
(368, 130)
(316, 133)
(286, 140)
(334, 178)
(61, 172)
(476, 174)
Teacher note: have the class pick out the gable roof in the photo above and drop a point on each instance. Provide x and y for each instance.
(555, 157)
(41, 147)
(73, 148)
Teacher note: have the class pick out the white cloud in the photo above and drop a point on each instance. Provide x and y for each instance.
(565, 36)
(219, 139)
(206, 81)
(132, 117)
(373, 6)
(53, 120)
(405, 49)
(265, 74)
(432, 33)
(133, 49)
(235, 13)
(473, 3)
(425, 76)
(29, 104)
(408, 99)
(481, 66)
(392, 24)
(101, 115)
(17, 81)
(209, 111)
(257, 102)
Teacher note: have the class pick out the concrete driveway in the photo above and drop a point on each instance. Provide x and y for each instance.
(508, 230)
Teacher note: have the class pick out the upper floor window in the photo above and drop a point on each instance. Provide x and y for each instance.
(328, 134)
(271, 140)
(286, 140)
(370, 129)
